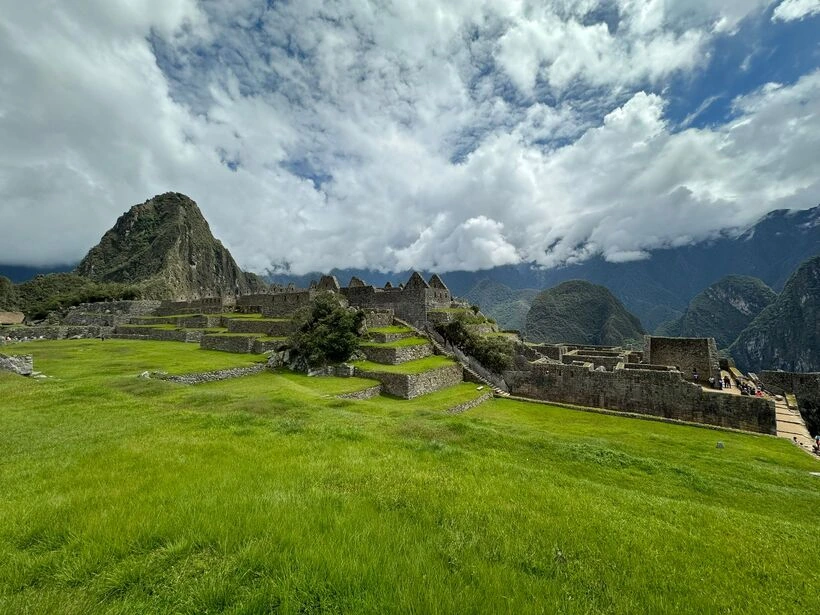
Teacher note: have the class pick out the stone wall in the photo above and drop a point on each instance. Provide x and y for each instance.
(277, 305)
(228, 343)
(263, 346)
(685, 353)
(273, 328)
(207, 305)
(607, 360)
(212, 376)
(406, 303)
(108, 313)
(408, 386)
(22, 364)
(159, 335)
(393, 355)
(367, 393)
(657, 393)
(470, 404)
(54, 332)
(378, 318)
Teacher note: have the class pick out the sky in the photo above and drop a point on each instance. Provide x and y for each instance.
(391, 135)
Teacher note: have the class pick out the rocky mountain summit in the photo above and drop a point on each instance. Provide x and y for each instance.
(579, 312)
(786, 334)
(722, 310)
(166, 248)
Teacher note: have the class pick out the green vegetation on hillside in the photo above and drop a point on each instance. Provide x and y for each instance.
(723, 310)
(493, 351)
(507, 306)
(786, 334)
(579, 312)
(267, 494)
(59, 291)
(165, 246)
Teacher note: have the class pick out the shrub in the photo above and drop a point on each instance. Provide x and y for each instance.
(326, 331)
(494, 353)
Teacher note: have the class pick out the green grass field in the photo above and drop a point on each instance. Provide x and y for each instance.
(409, 367)
(406, 341)
(268, 494)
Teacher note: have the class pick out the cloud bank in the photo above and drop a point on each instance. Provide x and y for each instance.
(425, 135)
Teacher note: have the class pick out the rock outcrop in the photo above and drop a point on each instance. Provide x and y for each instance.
(165, 247)
(786, 335)
(723, 310)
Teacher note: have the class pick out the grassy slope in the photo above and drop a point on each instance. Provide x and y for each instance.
(122, 495)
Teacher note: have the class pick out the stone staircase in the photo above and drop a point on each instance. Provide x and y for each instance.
(790, 424)
(471, 374)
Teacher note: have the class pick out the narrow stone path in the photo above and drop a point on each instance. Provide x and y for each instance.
(790, 425)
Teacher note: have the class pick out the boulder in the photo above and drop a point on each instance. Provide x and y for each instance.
(18, 364)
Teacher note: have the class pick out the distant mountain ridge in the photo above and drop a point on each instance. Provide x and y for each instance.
(579, 312)
(722, 310)
(786, 334)
(508, 307)
(659, 288)
(166, 247)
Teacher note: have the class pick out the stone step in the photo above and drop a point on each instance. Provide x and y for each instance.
(410, 385)
(387, 337)
(388, 354)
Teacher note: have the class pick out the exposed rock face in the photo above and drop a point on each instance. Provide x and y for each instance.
(166, 247)
(786, 335)
(19, 364)
(723, 310)
(579, 312)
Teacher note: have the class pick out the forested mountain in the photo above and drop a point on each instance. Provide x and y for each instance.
(786, 335)
(579, 312)
(723, 310)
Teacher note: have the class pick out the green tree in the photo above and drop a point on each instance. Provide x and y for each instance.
(8, 296)
(326, 331)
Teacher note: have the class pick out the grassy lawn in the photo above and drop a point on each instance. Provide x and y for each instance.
(390, 329)
(406, 341)
(267, 494)
(410, 367)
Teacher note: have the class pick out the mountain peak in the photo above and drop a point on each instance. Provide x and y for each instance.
(166, 246)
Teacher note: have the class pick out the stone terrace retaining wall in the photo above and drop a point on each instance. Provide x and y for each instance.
(378, 318)
(655, 393)
(263, 346)
(393, 355)
(408, 386)
(22, 364)
(388, 338)
(365, 394)
(470, 404)
(54, 332)
(213, 376)
(228, 343)
(108, 313)
(274, 328)
(159, 335)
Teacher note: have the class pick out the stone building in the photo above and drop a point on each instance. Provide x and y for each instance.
(691, 355)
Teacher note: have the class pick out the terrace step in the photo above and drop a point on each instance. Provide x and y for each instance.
(397, 353)
(407, 382)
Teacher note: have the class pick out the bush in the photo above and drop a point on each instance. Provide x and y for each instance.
(494, 353)
(326, 332)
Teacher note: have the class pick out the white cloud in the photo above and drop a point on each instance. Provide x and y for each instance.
(388, 138)
(789, 10)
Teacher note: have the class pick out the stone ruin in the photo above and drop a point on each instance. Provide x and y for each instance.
(657, 381)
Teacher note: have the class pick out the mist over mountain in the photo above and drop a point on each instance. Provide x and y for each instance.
(659, 288)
